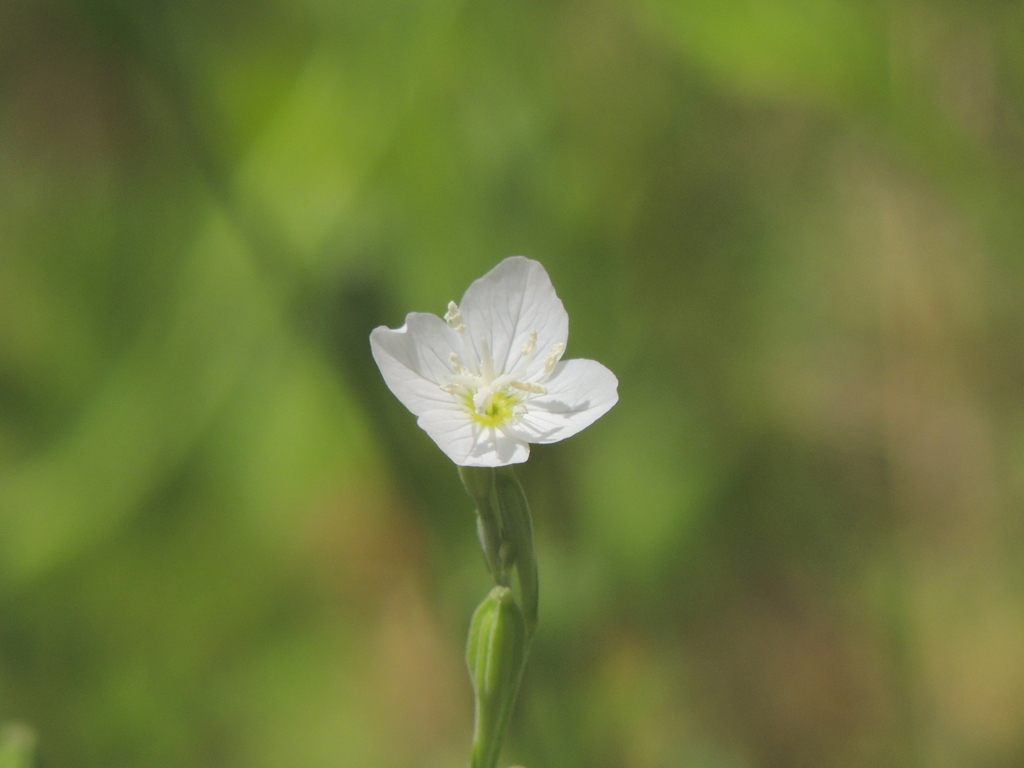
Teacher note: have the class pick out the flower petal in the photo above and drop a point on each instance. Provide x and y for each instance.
(579, 393)
(469, 444)
(414, 360)
(505, 305)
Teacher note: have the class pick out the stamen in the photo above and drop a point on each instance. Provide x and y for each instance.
(454, 317)
(552, 358)
(457, 365)
(486, 363)
(527, 348)
(452, 388)
(528, 386)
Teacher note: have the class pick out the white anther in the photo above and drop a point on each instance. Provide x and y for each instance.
(527, 348)
(552, 358)
(527, 386)
(517, 413)
(457, 365)
(451, 389)
(454, 317)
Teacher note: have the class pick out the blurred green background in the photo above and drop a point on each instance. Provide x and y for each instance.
(794, 230)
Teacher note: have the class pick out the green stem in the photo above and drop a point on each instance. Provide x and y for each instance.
(518, 533)
(479, 484)
(501, 631)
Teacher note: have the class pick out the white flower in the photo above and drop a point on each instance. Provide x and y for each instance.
(488, 380)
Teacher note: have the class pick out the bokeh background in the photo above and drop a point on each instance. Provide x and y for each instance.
(794, 230)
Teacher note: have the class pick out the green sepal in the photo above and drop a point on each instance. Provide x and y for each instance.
(495, 655)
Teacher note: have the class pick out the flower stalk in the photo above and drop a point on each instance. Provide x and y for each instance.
(501, 630)
(479, 484)
(517, 531)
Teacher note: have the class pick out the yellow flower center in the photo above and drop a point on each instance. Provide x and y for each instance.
(500, 411)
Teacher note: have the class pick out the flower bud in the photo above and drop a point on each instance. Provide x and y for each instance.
(495, 655)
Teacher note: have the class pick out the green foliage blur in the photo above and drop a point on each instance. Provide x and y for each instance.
(794, 230)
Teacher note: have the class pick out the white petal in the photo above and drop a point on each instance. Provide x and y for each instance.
(503, 306)
(414, 360)
(469, 444)
(579, 393)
